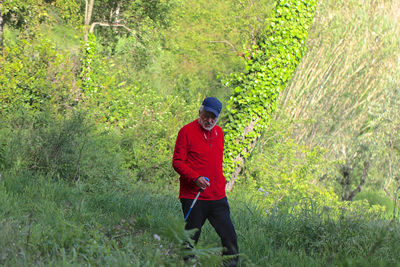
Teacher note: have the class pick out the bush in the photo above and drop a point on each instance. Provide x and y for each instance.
(376, 198)
(67, 148)
(282, 172)
(147, 123)
(37, 76)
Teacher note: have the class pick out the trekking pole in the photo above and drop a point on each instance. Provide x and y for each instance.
(194, 201)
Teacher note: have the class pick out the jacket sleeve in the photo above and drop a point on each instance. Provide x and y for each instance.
(179, 162)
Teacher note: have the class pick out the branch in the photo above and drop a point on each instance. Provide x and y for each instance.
(1, 29)
(225, 42)
(104, 24)
(389, 194)
(88, 11)
(361, 185)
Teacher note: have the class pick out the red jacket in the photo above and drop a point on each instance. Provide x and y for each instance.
(199, 152)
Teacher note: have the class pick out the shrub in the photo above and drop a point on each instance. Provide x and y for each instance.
(66, 148)
(37, 76)
(376, 198)
(147, 123)
(285, 172)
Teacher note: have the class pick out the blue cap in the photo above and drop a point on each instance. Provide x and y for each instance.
(213, 105)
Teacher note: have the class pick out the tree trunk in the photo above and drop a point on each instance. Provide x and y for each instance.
(1, 27)
(270, 65)
(88, 18)
(349, 196)
(239, 160)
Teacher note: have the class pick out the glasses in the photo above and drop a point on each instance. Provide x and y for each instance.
(207, 115)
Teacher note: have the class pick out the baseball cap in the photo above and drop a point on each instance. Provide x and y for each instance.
(213, 105)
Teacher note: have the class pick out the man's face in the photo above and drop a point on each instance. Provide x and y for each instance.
(207, 120)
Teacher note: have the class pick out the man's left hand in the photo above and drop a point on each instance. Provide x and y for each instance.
(202, 182)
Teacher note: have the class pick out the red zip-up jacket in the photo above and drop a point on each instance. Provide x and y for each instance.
(199, 152)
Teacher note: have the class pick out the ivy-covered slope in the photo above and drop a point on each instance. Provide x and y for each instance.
(270, 65)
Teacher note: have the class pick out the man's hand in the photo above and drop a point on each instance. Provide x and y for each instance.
(202, 182)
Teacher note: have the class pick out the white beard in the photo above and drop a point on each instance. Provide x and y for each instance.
(206, 125)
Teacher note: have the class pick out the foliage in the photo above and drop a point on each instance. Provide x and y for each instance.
(203, 42)
(147, 123)
(146, 89)
(282, 173)
(87, 62)
(286, 172)
(86, 139)
(380, 136)
(21, 13)
(133, 13)
(377, 198)
(268, 70)
(145, 120)
(138, 19)
(60, 148)
(71, 11)
(37, 76)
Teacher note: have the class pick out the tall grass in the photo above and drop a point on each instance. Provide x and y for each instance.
(313, 235)
(344, 94)
(352, 56)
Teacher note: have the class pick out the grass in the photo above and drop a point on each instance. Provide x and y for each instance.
(351, 60)
(344, 94)
(52, 221)
(47, 222)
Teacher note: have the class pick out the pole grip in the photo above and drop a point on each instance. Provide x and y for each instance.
(208, 180)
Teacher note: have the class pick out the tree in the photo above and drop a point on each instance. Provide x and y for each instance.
(1, 25)
(354, 172)
(271, 63)
(115, 14)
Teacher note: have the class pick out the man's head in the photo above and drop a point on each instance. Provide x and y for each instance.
(209, 112)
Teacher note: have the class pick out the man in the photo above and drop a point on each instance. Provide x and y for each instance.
(198, 155)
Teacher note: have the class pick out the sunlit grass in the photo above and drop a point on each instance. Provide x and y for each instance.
(352, 56)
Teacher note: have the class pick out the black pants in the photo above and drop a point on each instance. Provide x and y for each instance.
(218, 214)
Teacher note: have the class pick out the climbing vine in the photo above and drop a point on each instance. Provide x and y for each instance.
(89, 55)
(269, 67)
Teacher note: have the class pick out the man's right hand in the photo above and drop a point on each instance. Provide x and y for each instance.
(202, 182)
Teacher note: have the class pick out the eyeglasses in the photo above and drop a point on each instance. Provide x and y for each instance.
(206, 115)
